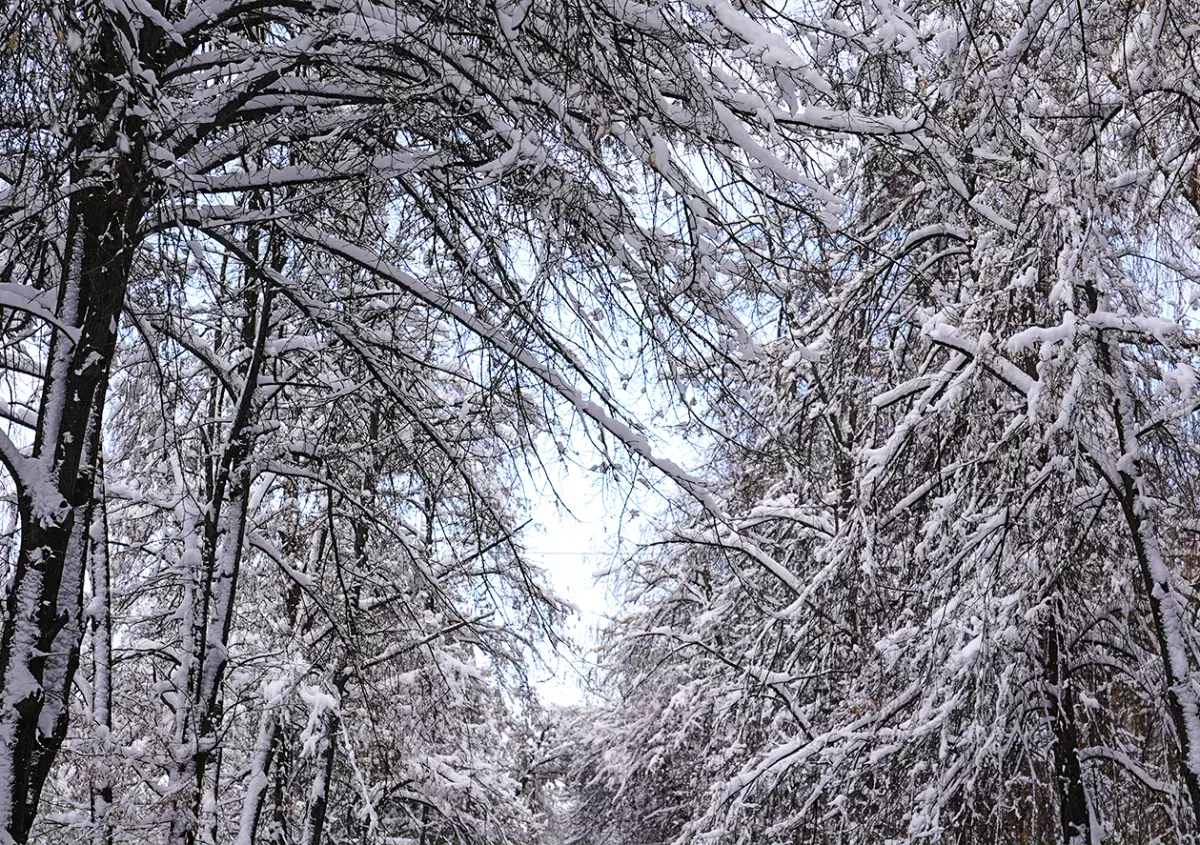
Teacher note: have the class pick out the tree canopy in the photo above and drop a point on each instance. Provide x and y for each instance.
(293, 293)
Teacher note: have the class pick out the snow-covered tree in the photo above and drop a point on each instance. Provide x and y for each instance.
(289, 291)
(952, 598)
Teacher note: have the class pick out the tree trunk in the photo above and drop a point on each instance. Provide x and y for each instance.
(1168, 608)
(283, 768)
(39, 644)
(318, 804)
(260, 770)
(101, 615)
(1068, 774)
(208, 613)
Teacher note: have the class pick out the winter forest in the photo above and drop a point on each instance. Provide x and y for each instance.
(891, 309)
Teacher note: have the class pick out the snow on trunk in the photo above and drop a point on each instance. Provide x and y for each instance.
(39, 646)
(1172, 626)
(100, 612)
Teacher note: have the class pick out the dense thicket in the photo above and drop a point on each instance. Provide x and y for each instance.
(294, 295)
(290, 292)
(953, 597)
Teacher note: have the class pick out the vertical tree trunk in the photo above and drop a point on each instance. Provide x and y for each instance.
(56, 487)
(271, 741)
(39, 643)
(283, 768)
(1068, 774)
(318, 803)
(206, 632)
(260, 769)
(101, 615)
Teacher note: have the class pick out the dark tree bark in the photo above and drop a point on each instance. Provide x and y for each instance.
(1068, 774)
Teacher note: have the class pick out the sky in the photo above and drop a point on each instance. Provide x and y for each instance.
(598, 523)
(573, 547)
